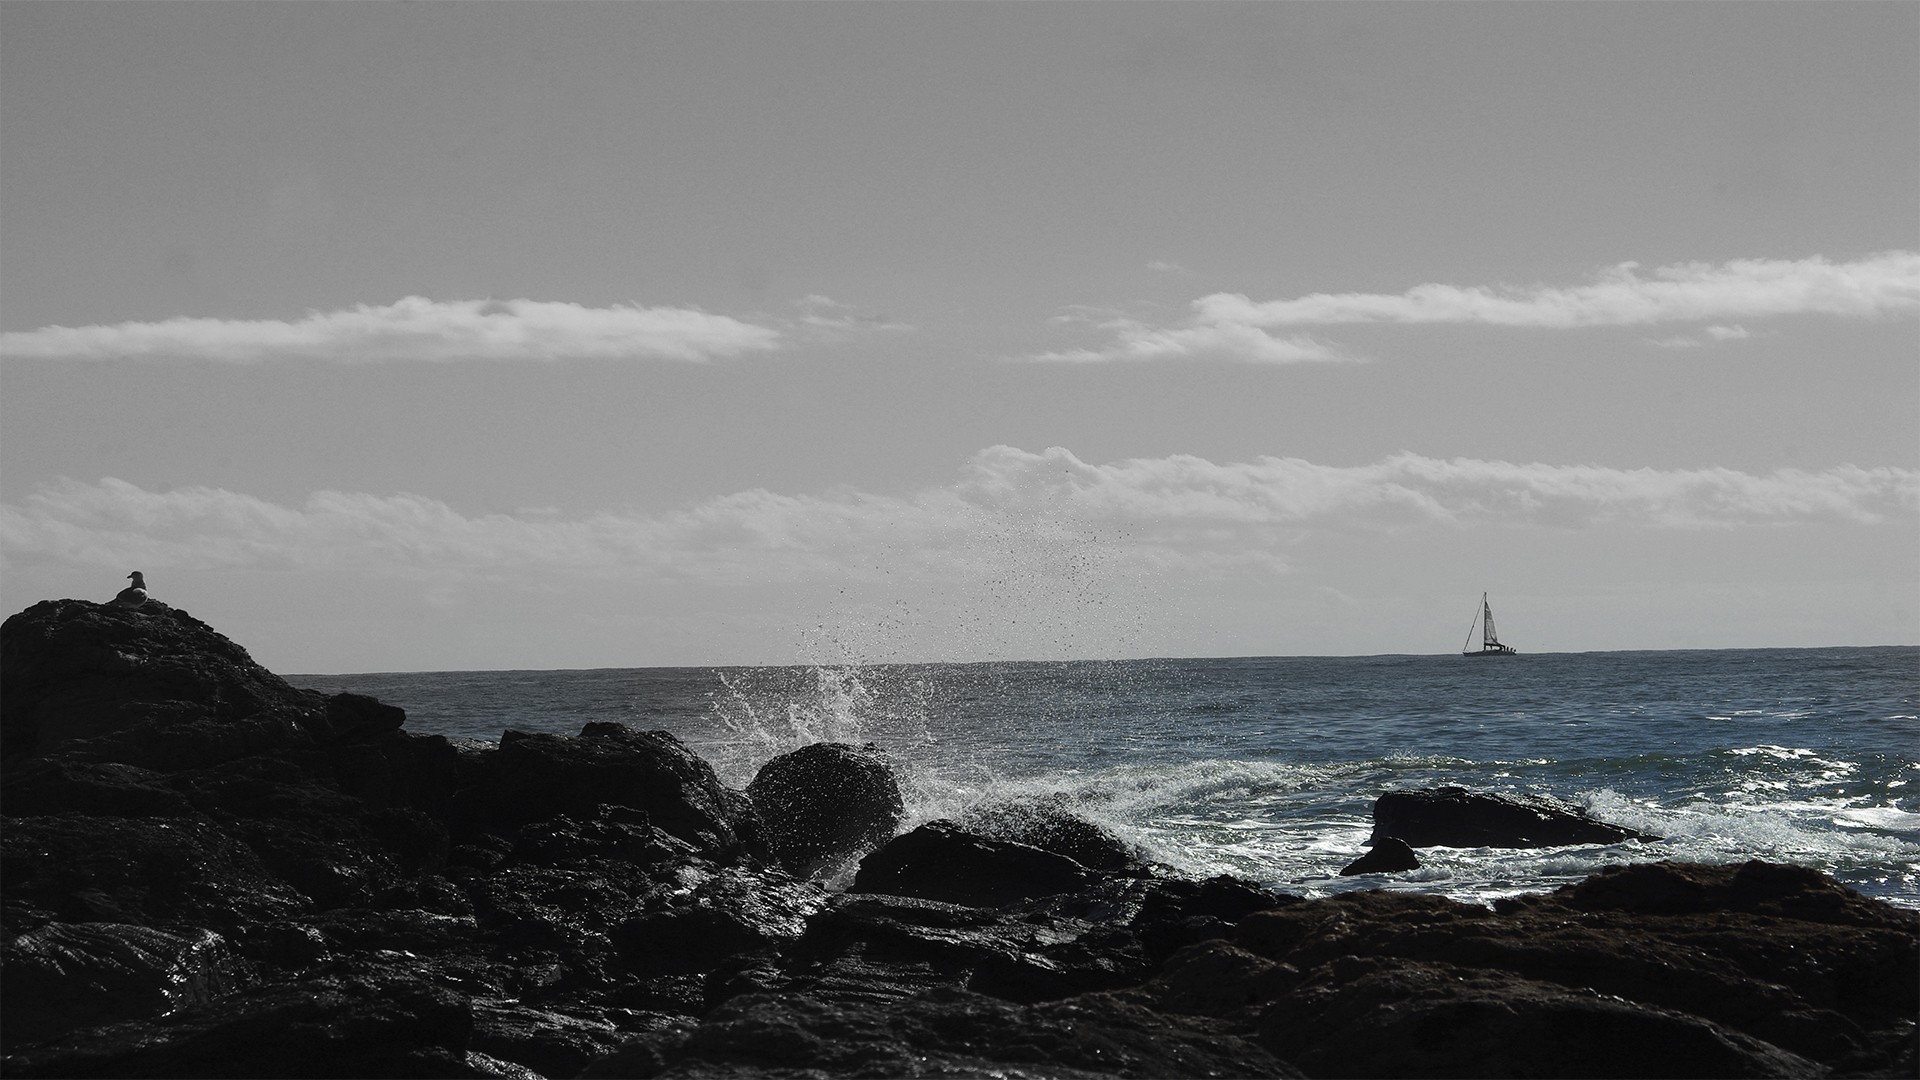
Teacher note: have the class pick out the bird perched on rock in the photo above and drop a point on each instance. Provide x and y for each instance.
(135, 594)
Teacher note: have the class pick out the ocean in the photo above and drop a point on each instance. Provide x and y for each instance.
(1268, 767)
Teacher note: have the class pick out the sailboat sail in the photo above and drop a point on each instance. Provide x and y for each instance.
(1489, 639)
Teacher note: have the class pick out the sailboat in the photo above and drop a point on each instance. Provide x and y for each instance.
(1489, 640)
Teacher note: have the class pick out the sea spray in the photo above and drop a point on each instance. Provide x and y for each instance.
(1267, 767)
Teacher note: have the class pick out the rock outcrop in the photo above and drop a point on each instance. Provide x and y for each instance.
(1390, 855)
(206, 872)
(1456, 817)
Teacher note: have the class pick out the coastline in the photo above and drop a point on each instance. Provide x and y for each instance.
(209, 871)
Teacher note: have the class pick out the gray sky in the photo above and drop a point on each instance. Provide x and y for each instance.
(512, 335)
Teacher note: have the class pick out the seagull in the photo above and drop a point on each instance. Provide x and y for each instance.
(135, 594)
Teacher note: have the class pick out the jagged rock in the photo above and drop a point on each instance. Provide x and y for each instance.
(108, 789)
(1823, 974)
(947, 1033)
(151, 688)
(65, 976)
(825, 804)
(317, 1027)
(1371, 1017)
(533, 776)
(1051, 825)
(546, 1041)
(724, 915)
(357, 716)
(1456, 817)
(148, 871)
(871, 947)
(1390, 855)
(941, 861)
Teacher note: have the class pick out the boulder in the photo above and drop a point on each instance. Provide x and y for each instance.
(1390, 855)
(1051, 825)
(157, 688)
(941, 861)
(534, 776)
(1456, 817)
(825, 804)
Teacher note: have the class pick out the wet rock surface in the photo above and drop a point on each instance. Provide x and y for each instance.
(825, 804)
(1456, 817)
(207, 872)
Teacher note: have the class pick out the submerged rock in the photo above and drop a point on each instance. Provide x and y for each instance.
(1390, 855)
(1456, 817)
(825, 804)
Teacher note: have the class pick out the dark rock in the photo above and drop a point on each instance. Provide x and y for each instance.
(203, 873)
(1390, 855)
(1456, 817)
(1379, 1018)
(1218, 978)
(153, 688)
(109, 789)
(825, 804)
(66, 976)
(722, 915)
(148, 871)
(382, 1027)
(548, 1042)
(949, 1033)
(357, 716)
(941, 861)
(1051, 825)
(875, 947)
(1835, 986)
(533, 776)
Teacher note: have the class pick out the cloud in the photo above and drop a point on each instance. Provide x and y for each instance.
(1883, 284)
(1709, 336)
(1137, 341)
(414, 329)
(1176, 513)
(825, 313)
(1234, 326)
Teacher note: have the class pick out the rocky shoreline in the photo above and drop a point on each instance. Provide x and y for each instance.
(208, 872)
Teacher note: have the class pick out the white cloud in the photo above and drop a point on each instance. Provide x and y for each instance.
(825, 313)
(1136, 341)
(1170, 513)
(1883, 284)
(414, 329)
(1711, 335)
(1234, 326)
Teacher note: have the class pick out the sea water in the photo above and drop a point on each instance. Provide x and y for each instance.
(1268, 767)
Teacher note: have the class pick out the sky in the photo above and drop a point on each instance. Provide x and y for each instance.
(462, 336)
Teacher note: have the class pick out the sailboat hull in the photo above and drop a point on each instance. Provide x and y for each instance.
(1498, 650)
